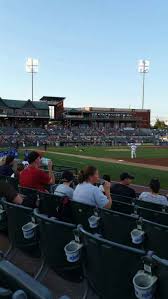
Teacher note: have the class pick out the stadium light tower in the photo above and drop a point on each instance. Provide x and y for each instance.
(32, 67)
(143, 68)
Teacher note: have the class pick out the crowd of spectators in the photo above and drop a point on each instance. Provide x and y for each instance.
(89, 188)
(59, 134)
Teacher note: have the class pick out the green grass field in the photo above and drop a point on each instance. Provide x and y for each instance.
(143, 175)
(110, 152)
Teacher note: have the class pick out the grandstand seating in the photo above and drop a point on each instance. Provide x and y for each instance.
(110, 267)
(55, 206)
(122, 198)
(12, 181)
(122, 207)
(77, 135)
(54, 236)
(151, 205)
(17, 217)
(117, 226)
(109, 257)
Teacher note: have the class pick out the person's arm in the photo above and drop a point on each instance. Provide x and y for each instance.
(51, 173)
(107, 186)
(101, 200)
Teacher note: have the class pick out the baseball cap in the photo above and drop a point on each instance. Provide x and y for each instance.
(33, 156)
(126, 175)
(67, 176)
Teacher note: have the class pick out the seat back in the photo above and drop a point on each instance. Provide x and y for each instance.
(12, 181)
(81, 212)
(117, 226)
(54, 236)
(14, 278)
(18, 216)
(150, 205)
(3, 217)
(122, 207)
(110, 267)
(122, 198)
(31, 196)
(161, 272)
(55, 206)
(155, 238)
(154, 216)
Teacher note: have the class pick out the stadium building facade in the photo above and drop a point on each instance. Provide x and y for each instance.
(14, 113)
(107, 117)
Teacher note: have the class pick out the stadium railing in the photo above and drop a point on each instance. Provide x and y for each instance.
(15, 283)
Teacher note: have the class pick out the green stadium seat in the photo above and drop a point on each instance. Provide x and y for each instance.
(55, 206)
(30, 196)
(54, 236)
(117, 226)
(81, 212)
(12, 181)
(122, 198)
(122, 207)
(109, 267)
(150, 205)
(3, 218)
(155, 238)
(154, 216)
(18, 216)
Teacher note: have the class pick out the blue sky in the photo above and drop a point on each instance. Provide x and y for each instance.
(88, 51)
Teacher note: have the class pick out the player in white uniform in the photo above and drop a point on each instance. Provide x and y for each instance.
(133, 151)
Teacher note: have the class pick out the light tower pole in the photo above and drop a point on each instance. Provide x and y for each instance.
(143, 68)
(32, 67)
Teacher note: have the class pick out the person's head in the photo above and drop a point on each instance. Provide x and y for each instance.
(106, 177)
(34, 159)
(126, 179)
(9, 160)
(67, 177)
(89, 174)
(18, 200)
(155, 185)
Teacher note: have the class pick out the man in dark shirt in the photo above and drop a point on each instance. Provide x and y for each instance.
(122, 188)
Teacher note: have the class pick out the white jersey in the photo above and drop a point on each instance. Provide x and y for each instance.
(133, 148)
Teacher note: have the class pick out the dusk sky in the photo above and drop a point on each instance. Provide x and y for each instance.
(88, 51)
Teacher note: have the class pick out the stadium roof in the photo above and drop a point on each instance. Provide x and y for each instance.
(17, 104)
(52, 99)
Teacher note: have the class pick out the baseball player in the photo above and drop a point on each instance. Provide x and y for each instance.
(133, 150)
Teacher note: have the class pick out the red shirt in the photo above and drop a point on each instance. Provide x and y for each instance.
(34, 178)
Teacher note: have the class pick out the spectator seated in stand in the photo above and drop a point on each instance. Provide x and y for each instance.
(122, 188)
(35, 178)
(153, 195)
(20, 167)
(87, 193)
(64, 189)
(9, 193)
(105, 178)
(7, 169)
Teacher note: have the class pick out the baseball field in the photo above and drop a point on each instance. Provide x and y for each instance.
(151, 161)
